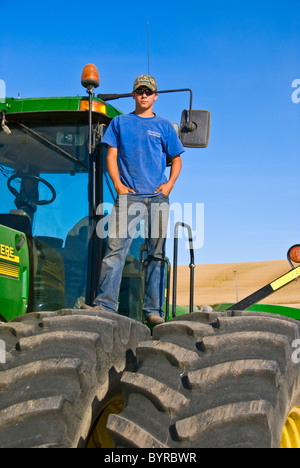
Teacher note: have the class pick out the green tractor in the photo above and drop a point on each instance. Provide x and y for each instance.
(78, 378)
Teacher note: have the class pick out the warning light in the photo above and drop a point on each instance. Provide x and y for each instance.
(294, 254)
(90, 80)
(90, 77)
(97, 106)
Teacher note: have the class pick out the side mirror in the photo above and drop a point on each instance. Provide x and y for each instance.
(195, 130)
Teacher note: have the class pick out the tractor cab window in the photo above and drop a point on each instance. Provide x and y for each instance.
(44, 193)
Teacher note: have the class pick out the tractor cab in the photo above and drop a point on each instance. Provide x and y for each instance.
(53, 179)
(50, 190)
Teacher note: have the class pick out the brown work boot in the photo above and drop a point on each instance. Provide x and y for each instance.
(154, 320)
(86, 306)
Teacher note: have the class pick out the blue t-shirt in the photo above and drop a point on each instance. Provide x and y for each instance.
(143, 145)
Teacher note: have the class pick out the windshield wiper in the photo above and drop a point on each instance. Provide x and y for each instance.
(53, 145)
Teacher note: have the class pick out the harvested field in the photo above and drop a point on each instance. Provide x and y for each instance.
(216, 283)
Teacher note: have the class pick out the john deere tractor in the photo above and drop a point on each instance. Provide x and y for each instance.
(72, 377)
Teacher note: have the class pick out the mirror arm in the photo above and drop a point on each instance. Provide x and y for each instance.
(189, 125)
(179, 91)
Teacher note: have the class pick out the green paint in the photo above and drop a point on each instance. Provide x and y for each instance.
(17, 106)
(14, 274)
(269, 308)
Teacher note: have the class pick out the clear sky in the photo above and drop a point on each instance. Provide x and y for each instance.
(239, 57)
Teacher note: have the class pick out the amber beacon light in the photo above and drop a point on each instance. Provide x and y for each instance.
(294, 254)
(90, 78)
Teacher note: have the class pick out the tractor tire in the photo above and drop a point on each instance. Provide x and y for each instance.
(61, 378)
(214, 380)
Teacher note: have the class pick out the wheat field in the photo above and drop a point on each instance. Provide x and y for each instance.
(215, 283)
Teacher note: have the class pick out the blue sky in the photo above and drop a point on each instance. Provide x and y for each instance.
(240, 59)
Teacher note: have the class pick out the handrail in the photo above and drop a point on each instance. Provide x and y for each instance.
(191, 266)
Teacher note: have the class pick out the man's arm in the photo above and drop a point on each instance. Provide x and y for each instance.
(113, 170)
(176, 166)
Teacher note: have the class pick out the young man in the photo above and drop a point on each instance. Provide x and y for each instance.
(141, 141)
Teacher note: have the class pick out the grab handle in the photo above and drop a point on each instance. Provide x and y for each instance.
(191, 266)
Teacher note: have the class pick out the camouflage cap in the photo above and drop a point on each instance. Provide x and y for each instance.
(145, 80)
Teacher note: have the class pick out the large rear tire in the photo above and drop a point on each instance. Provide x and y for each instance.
(62, 375)
(213, 380)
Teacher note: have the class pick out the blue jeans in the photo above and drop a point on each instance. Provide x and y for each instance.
(126, 215)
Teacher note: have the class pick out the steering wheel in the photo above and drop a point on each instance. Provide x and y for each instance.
(35, 177)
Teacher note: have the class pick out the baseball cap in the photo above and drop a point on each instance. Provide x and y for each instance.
(145, 80)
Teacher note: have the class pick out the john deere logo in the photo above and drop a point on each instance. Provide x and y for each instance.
(7, 253)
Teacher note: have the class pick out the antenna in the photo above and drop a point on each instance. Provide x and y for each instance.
(148, 47)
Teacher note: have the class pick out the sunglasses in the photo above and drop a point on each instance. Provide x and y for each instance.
(141, 91)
